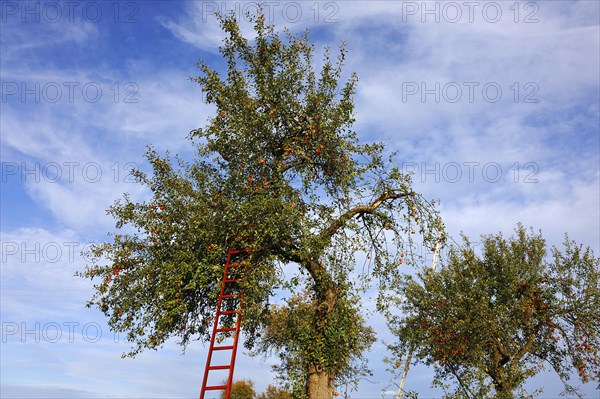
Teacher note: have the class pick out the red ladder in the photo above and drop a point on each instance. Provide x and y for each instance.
(231, 275)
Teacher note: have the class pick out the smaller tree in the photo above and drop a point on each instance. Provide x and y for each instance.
(241, 389)
(290, 332)
(273, 392)
(490, 322)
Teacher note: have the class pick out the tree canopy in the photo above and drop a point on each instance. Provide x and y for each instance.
(244, 389)
(273, 392)
(241, 389)
(279, 171)
(491, 321)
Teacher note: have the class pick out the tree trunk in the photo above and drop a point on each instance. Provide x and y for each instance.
(502, 391)
(320, 380)
(319, 384)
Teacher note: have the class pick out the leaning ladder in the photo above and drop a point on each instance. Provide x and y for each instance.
(229, 297)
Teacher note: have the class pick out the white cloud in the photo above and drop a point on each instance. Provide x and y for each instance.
(198, 25)
(76, 175)
(38, 264)
(43, 391)
(18, 42)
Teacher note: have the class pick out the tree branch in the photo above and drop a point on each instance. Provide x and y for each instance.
(361, 209)
(502, 351)
(314, 267)
(464, 386)
(524, 349)
(317, 270)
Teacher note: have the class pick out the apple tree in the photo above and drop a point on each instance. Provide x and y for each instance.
(491, 321)
(279, 171)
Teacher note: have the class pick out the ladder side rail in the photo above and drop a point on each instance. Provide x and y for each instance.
(236, 338)
(214, 331)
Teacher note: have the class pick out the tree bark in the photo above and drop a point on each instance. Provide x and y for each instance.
(320, 380)
(320, 384)
(502, 390)
(503, 393)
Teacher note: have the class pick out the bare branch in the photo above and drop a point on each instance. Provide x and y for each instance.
(361, 210)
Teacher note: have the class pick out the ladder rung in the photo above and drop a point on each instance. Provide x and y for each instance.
(231, 265)
(219, 330)
(223, 348)
(239, 251)
(215, 387)
(219, 367)
(220, 312)
(232, 280)
(227, 296)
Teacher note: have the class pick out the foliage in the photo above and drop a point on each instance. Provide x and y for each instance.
(279, 171)
(495, 320)
(290, 329)
(273, 392)
(241, 389)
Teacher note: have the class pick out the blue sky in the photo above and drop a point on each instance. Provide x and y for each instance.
(493, 105)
